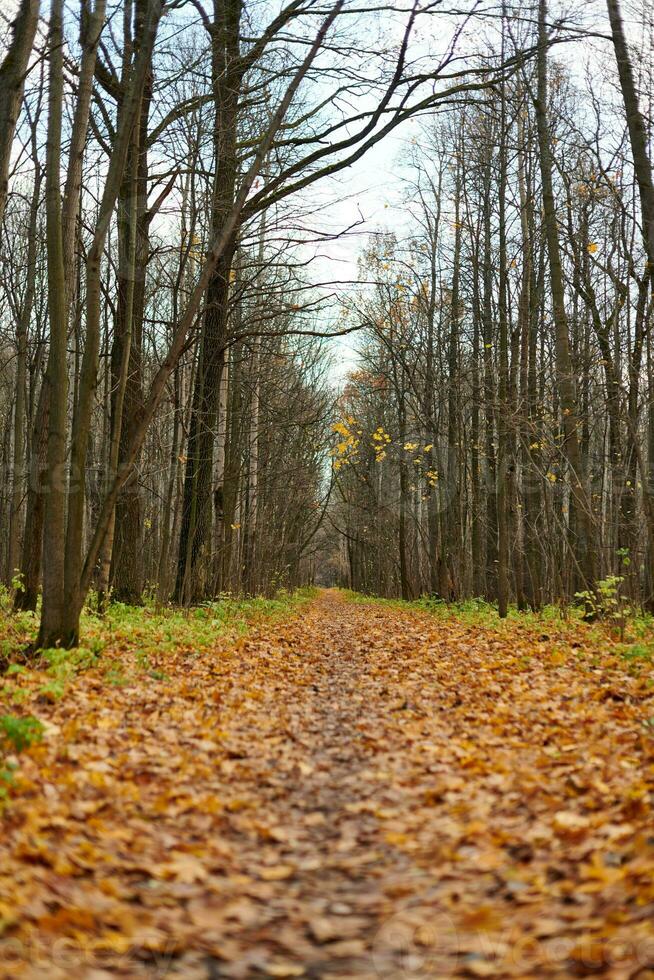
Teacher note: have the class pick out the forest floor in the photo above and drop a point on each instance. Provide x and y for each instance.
(348, 789)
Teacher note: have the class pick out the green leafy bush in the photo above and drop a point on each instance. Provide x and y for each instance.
(18, 733)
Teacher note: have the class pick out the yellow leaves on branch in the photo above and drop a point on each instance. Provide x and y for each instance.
(381, 440)
(345, 451)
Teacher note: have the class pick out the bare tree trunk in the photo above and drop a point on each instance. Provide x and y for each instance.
(35, 510)
(453, 532)
(489, 390)
(220, 463)
(528, 309)
(30, 564)
(402, 522)
(478, 570)
(638, 138)
(52, 612)
(120, 379)
(20, 406)
(12, 84)
(505, 463)
(581, 518)
(127, 554)
(88, 376)
(196, 537)
(253, 471)
(637, 130)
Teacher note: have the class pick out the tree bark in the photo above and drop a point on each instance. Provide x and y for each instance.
(69, 626)
(52, 612)
(193, 579)
(12, 84)
(581, 514)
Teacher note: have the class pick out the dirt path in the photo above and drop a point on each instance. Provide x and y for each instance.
(359, 792)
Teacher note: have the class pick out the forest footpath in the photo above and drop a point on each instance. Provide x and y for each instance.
(354, 789)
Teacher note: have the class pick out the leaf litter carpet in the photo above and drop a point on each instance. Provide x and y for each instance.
(358, 791)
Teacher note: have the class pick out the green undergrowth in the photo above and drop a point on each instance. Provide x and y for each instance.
(634, 644)
(169, 628)
(128, 646)
(129, 642)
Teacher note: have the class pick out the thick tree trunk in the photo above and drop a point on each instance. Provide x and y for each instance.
(126, 355)
(53, 610)
(12, 84)
(637, 130)
(638, 138)
(36, 505)
(194, 563)
(130, 109)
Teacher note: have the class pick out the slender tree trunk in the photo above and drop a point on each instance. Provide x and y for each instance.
(220, 463)
(405, 587)
(20, 404)
(581, 518)
(528, 311)
(250, 557)
(505, 463)
(478, 570)
(453, 531)
(489, 393)
(30, 564)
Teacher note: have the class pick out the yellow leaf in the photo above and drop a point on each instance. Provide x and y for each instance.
(567, 823)
(394, 837)
(277, 872)
(184, 868)
(284, 968)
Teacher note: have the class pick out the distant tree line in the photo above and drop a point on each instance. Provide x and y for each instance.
(164, 399)
(497, 439)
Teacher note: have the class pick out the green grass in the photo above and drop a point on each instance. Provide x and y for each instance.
(126, 646)
(566, 623)
(139, 631)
